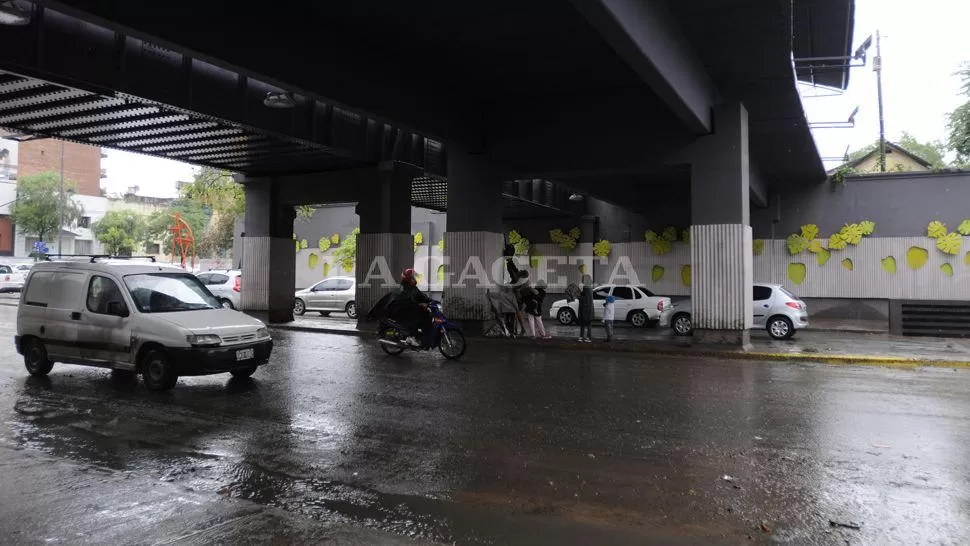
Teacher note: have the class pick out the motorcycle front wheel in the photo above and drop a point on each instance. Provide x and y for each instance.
(452, 344)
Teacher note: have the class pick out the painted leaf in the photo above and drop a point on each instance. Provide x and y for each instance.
(889, 265)
(575, 233)
(514, 237)
(602, 248)
(335, 238)
(582, 269)
(966, 259)
(418, 277)
(522, 247)
(441, 245)
(837, 242)
(964, 227)
(936, 229)
(950, 243)
(947, 270)
(534, 257)
(669, 234)
(312, 260)
(297, 244)
(815, 246)
(661, 247)
(852, 233)
(657, 273)
(916, 257)
(294, 236)
(326, 269)
(650, 236)
(868, 227)
(796, 244)
(419, 238)
(847, 263)
(441, 273)
(685, 275)
(796, 272)
(685, 236)
(323, 244)
(822, 256)
(758, 246)
(304, 244)
(810, 231)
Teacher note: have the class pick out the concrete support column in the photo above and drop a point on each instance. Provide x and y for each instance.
(269, 255)
(721, 253)
(474, 240)
(385, 246)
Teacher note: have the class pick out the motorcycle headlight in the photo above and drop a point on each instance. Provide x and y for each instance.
(204, 339)
(262, 333)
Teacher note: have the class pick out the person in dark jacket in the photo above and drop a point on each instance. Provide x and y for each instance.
(586, 311)
(410, 307)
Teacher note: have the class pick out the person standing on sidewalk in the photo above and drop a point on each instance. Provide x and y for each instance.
(532, 300)
(609, 311)
(586, 311)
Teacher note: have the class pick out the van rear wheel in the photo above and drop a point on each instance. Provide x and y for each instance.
(35, 358)
(157, 371)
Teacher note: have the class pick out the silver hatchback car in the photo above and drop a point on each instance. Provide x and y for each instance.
(775, 309)
(333, 295)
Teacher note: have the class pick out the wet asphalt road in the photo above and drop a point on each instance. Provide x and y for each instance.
(334, 441)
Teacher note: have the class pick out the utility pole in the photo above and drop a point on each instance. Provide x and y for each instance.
(877, 67)
(60, 205)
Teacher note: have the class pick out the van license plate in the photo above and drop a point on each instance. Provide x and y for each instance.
(244, 354)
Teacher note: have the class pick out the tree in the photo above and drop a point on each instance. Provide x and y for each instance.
(37, 210)
(160, 224)
(346, 253)
(216, 189)
(121, 232)
(958, 123)
(217, 239)
(932, 152)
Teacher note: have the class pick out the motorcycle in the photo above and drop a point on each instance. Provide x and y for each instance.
(445, 336)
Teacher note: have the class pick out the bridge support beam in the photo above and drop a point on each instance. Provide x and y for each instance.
(385, 244)
(721, 252)
(269, 255)
(474, 240)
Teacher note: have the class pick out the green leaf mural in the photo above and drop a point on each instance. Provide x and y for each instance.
(657, 273)
(335, 239)
(534, 257)
(947, 270)
(566, 241)
(650, 236)
(685, 275)
(418, 240)
(837, 242)
(582, 269)
(852, 233)
(304, 244)
(575, 233)
(966, 259)
(796, 272)
(950, 243)
(822, 256)
(685, 236)
(916, 257)
(323, 244)
(964, 227)
(936, 229)
(326, 269)
(661, 247)
(889, 265)
(312, 261)
(847, 263)
(297, 245)
(815, 246)
(796, 244)
(809, 231)
(669, 234)
(868, 227)
(758, 246)
(602, 248)
(441, 273)
(441, 245)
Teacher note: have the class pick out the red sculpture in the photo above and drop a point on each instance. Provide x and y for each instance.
(182, 239)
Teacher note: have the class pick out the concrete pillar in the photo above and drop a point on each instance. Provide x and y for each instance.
(269, 255)
(474, 240)
(721, 254)
(385, 246)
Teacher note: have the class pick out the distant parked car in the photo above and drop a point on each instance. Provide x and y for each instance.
(225, 284)
(635, 304)
(11, 278)
(775, 309)
(333, 295)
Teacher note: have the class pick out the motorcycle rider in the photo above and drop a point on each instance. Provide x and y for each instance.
(410, 308)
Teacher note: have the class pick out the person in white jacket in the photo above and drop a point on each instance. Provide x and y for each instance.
(609, 312)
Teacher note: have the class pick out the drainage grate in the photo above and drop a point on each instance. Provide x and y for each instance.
(930, 318)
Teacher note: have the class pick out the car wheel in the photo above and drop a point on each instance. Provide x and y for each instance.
(638, 319)
(324, 313)
(157, 371)
(565, 316)
(351, 310)
(299, 307)
(781, 328)
(242, 373)
(682, 325)
(226, 304)
(35, 358)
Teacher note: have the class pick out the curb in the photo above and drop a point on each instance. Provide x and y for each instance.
(661, 349)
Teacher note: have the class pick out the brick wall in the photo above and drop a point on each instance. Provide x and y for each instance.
(82, 163)
(6, 236)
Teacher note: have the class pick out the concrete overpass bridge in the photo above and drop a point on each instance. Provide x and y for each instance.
(693, 103)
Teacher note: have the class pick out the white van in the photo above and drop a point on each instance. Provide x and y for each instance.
(154, 320)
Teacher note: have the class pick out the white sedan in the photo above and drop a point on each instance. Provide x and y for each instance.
(11, 279)
(635, 304)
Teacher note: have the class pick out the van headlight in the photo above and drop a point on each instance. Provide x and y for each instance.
(262, 333)
(204, 339)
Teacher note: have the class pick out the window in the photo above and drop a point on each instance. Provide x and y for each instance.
(5, 269)
(761, 293)
(169, 292)
(600, 293)
(204, 277)
(83, 246)
(647, 292)
(153, 248)
(84, 222)
(326, 286)
(101, 291)
(344, 284)
(39, 288)
(623, 293)
(218, 278)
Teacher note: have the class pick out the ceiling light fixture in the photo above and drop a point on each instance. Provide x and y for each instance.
(575, 197)
(279, 99)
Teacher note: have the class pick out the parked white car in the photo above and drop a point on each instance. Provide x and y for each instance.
(150, 319)
(775, 309)
(333, 295)
(225, 284)
(11, 278)
(635, 304)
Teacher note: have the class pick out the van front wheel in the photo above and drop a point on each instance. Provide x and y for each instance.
(157, 371)
(35, 358)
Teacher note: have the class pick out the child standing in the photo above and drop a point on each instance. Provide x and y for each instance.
(609, 311)
(586, 311)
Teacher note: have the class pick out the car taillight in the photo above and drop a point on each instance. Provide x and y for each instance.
(794, 305)
(660, 305)
(238, 285)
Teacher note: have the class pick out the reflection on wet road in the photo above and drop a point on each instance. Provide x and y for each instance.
(337, 441)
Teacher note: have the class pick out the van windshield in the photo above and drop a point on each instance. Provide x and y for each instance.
(168, 292)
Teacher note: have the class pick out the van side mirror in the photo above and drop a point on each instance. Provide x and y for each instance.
(117, 309)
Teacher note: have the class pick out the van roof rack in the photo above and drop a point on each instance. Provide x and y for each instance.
(95, 257)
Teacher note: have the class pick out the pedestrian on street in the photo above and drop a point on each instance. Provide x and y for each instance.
(586, 311)
(609, 311)
(532, 299)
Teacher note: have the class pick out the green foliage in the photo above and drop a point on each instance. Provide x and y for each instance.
(950, 243)
(520, 243)
(796, 272)
(669, 234)
(657, 273)
(840, 174)
(958, 122)
(574, 233)
(566, 241)
(936, 229)
(822, 256)
(324, 244)
(441, 245)
(916, 257)
(418, 240)
(847, 263)
(216, 190)
(650, 236)
(602, 248)
(852, 233)
(889, 265)
(837, 242)
(867, 227)
(964, 227)
(661, 247)
(815, 246)
(217, 239)
(304, 213)
(947, 270)
(312, 261)
(932, 152)
(346, 253)
(758, 246)
(160, 223)
(796, 244)
(38, 208)
(809, 232)
(685, 235)
(120, 232)
(304, 244)
(335, 239)
(685, 275)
